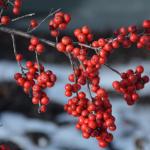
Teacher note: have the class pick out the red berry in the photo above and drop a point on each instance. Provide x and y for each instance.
(34, 41)
(5, 20)
(19, 57)
(146, 24)
(67, 18)
(139, 69)
(61, 47)
(16, 10)
(33, 23)
(40, 48)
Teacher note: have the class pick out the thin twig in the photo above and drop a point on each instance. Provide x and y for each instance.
(15, 53)
(39, 70)
(87, 81)
(50, 14)
(114, 70)
(22, 17)
(1, 12)
(72, 65)
(38, 62)
(87, 46)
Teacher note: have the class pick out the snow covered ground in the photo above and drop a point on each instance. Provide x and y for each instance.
(132, 122)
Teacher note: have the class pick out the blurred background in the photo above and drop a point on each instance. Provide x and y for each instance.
(22, 128)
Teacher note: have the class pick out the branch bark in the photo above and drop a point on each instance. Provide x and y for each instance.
(25, 35)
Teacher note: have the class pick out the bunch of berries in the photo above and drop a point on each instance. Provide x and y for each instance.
(83, 34)
(94, 117)
(34, 83)
(36, 46)
(131, 82)
(59, 22)
(65, 45)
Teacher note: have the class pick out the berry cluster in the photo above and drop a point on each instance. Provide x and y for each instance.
(36, 46)
(65, 45)
(95, 115)
(83, 34)
(94, 118)
(34, 83)
(130, 83)
(59, 22)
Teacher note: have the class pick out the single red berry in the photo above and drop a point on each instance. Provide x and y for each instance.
(67, 18)
(33, 23)
(66, 40)
(34, 41)
(5, 20)
(16, 10)
(139, 69)
(61, 47)
(146, 24)
(19, 57)
(40, 48)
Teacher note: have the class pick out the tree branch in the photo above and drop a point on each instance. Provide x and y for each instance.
(25, 35)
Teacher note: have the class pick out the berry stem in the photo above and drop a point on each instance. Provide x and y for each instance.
(38, 62)
(114, 70)
(73, 67)
(87, 46)
(49, 15)
(39, 70)
(15, 53)
(22, 17)
(1, 12)
(87, 81)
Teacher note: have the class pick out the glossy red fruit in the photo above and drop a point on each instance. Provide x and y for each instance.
(5, 20)
(33, 23)
(19, 57)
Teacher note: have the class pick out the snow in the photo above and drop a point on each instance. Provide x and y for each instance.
(16, 125)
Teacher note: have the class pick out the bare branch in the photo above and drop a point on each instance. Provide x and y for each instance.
(25, 35)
